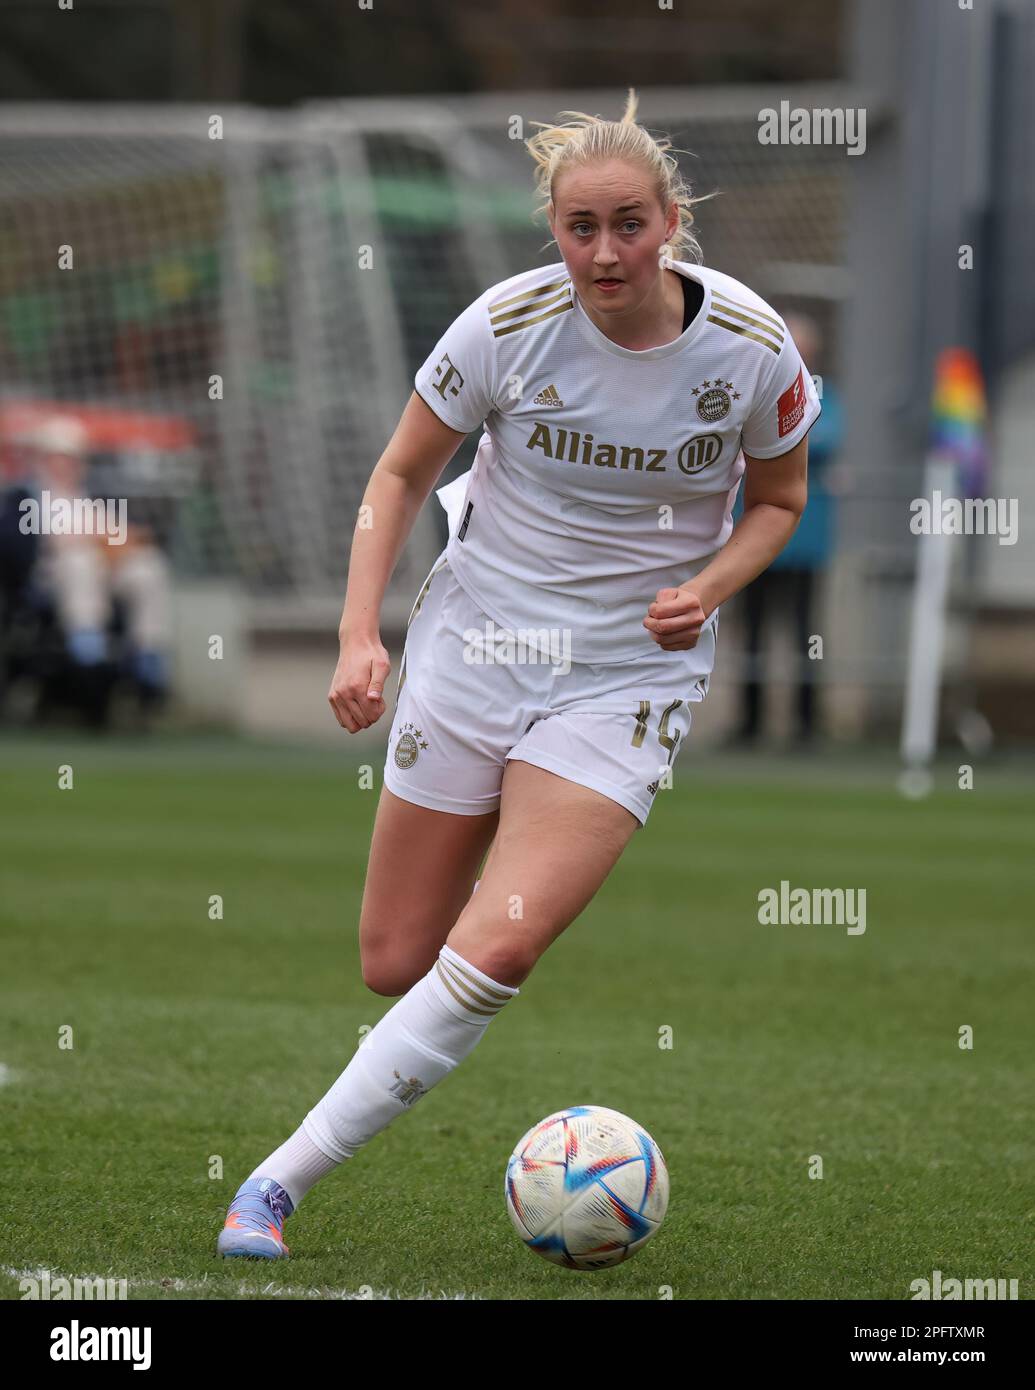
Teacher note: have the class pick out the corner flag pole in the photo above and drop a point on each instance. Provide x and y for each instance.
(957, 460)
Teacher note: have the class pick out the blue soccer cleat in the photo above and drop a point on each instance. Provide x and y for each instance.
(255, 1221)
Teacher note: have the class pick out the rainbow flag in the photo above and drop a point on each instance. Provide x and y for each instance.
(958, 419)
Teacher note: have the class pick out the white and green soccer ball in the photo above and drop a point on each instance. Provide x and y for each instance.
(586, 1187)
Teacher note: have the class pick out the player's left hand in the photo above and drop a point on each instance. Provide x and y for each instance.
(675, 619)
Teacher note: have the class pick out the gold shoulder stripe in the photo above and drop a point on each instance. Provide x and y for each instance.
(755, 313)
(750, 320)
(745, 333)
(528, 295)
(542, 303)
(525, 323)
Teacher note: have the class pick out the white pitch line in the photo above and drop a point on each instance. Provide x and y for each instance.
(243, 1289)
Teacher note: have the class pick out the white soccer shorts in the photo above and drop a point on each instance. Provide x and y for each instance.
(459, 716)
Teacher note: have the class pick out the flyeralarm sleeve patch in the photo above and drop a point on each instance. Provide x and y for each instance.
(788, 408)
(457, 380)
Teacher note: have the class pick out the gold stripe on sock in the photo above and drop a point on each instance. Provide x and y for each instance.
(501, 994)
(471, 1008)
(470, 989)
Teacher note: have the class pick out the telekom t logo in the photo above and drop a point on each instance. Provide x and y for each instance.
(446, 375)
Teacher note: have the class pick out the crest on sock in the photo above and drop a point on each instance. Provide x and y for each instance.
(407, 1091)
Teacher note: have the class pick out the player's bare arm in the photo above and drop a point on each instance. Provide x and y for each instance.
(775, 492)
(399, 486)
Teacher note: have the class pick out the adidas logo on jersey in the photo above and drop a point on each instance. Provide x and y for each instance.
(548, 397)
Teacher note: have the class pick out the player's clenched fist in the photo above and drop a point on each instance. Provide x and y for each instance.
(359, 679)
(675, 619)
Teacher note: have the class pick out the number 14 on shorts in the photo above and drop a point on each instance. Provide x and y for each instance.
(667, 740)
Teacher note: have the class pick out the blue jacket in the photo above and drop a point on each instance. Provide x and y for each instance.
(813, 542)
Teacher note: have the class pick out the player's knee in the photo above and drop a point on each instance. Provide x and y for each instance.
(385, 975)
(382, 981)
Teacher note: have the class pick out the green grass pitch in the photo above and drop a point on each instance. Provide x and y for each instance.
(196, 1039)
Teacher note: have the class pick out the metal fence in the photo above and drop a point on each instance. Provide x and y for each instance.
(274, 279)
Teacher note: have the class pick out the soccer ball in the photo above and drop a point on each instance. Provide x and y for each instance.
(586, 1187)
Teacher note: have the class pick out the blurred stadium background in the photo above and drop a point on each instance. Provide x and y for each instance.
(236, 258)
(217, 357)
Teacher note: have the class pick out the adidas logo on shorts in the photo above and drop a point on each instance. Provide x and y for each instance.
(548, 396)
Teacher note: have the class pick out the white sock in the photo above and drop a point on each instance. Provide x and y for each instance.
(296, 1165)
(427, 1033)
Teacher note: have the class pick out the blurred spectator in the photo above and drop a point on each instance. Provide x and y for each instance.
(85, 574)
(789, 590)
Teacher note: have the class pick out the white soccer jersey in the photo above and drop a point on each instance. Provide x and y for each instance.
(604, 474)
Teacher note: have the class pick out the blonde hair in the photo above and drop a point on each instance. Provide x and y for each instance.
(590, 139)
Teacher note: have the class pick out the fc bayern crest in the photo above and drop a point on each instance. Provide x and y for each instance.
(714, 401)
(407, 748)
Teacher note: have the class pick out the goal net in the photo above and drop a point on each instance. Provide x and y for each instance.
(272, 280)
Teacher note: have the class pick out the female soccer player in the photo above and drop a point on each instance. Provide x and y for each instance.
(556, 648)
